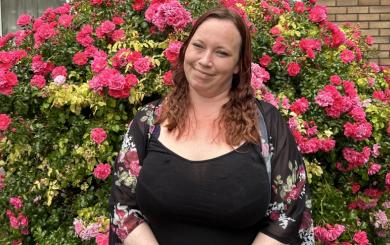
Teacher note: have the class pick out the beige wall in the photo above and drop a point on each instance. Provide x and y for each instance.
(373, 17)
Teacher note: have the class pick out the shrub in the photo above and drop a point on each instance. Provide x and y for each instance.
(72, 79)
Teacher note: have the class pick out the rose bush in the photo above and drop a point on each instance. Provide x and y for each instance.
(72, 79)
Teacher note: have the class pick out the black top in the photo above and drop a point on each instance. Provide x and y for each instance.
(216, 201)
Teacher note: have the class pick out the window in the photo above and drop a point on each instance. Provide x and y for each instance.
(11, 9)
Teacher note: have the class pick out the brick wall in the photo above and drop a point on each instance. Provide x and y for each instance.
(373, 17)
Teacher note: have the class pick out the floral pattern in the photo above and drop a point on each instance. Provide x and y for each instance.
(288, 215)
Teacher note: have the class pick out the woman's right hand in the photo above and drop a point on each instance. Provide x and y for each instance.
(141, 235)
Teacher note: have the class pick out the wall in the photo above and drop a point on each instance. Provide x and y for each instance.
(373, 17)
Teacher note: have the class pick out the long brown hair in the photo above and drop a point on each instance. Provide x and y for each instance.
(238, 117)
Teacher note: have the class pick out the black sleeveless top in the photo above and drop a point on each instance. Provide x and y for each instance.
(216, 201)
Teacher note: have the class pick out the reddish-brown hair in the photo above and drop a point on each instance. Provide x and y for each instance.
(238, 117)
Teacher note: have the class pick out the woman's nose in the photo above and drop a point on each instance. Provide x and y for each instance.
(206, 59)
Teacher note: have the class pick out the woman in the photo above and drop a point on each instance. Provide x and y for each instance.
(204, 174)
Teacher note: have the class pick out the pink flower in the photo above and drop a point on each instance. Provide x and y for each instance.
(59, 71)
(8, 80)
(102, 239)
(293, 69)
(120, 58)
(23, 220)
(172, 52)
(358, 114)
(98, 135)
(360, 238)
(347, 56)
(132, 79)
(355, 158)
(259, 76)
(279, 48)
(14, 222)
(44, 32)
(96, 2)
(102, 171)
(300, 106)
(16, 202)
(24, 20)
(358, 131)
(324, 98)
(327, 144)
(387, 181)
(98, 64)
(309, 45)
(369, 40)
(168, 14)
(167, 78)
(83, 37)
(275, 31)
(80, 58)
(375, 150)
(318, 14)
(5, 121)
(142, 65)
(265, 60)
(138, 5)
(38, 81)
(355, 188)
(78, 226)
(374, 168)
(118, 35)
(65, 20)
(17, 242)
(118, 20)
(299, 7)
(335, 80)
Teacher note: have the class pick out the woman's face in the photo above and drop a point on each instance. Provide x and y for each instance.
(212, 57)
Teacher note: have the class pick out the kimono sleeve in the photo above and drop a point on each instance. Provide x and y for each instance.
(288, 218)
(124, 213)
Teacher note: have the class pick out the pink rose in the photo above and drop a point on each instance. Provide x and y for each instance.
(387, 181)
(38, 81)
(5, 121)
(24, 20)
(8, 80)
(131, 79)
(293, 69)
(96, 2)
(138, 5)
(14, 222)
(23, 220)
(347, 56)
(172, 52)
(102, 171)
(118, 35)
(118, 20)
(16, 202)
(265, 60)
(98, 135)
(78, 226)
(65, 20)
(360, 238)
(102, 239)
(80, 58)
(318, 14)
(167, 78)
(59, 71)
(355, 187)
(374, 168)
(142, 65)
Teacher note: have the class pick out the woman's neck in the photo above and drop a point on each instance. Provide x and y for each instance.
(207, 107)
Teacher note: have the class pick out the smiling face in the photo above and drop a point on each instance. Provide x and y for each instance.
(212, 57)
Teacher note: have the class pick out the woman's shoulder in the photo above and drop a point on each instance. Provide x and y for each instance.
(267, 108)
(148, 112)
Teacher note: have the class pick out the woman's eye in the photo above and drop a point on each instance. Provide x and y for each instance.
(197, 45)
(222, 53)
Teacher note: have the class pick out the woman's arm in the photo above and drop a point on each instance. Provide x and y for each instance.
(141, 235)
(262, 239)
